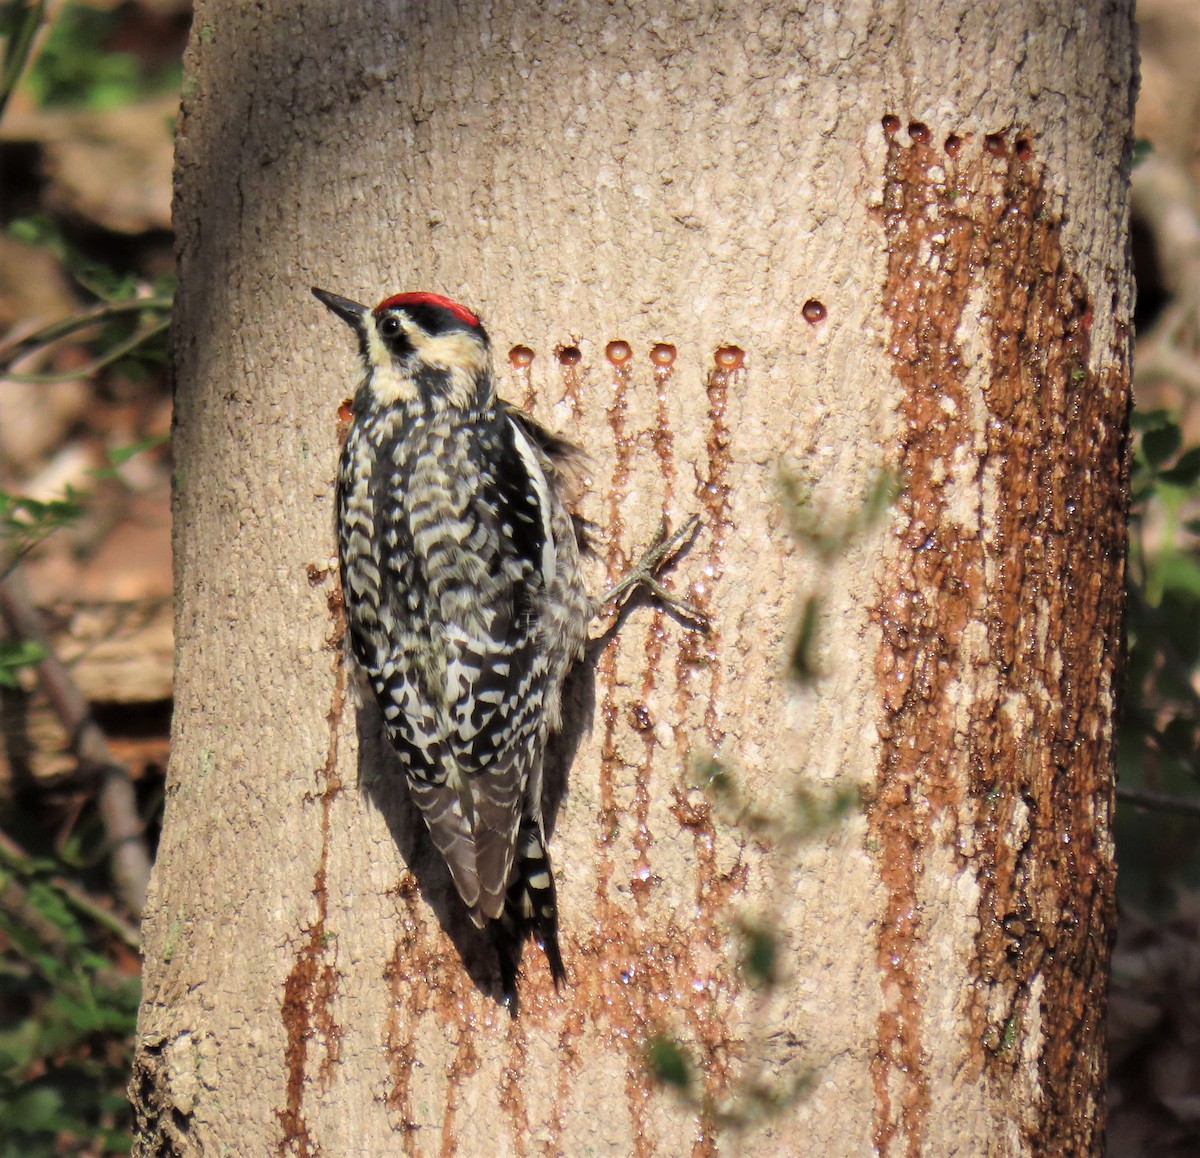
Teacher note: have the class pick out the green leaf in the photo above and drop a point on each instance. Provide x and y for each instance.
(1142, 491)
(803, 667)
(1178, 572)
(24, 522)
(1150, 419)
(36, 1109)
(41, 230)
(20, 21)
(1186, 469)
(760, 955)
(118, 456)
(16, 654)
(70, 70)
(1161, 443)
(668, 1063)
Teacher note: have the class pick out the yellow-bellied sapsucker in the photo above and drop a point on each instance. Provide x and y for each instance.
(464, 597)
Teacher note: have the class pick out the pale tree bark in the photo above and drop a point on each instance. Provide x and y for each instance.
(842, 244)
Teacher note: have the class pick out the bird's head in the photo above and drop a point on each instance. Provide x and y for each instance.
(419, 348)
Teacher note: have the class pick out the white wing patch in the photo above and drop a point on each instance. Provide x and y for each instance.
(541, 487)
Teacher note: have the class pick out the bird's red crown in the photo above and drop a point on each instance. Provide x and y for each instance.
(427, 299)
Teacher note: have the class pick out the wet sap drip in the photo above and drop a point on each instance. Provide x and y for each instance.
(617, 353)
(662, 358)
(641, 971)
(520, 358)
(813, 311)
(573, 388)
(571, 369)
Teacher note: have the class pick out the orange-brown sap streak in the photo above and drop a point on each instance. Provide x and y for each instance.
(616, 562)
(420, 984)
(512, 1089)
(520, 358)
(311, 983)
(662, 356)
(714, 494)
(922, 620)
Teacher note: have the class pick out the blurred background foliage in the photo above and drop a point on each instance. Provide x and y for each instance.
(68, 71)
(88, 92)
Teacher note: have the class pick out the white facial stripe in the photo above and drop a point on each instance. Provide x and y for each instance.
(453, 350)
(389, 387)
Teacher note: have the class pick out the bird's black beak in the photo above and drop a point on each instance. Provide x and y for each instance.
(348, 311)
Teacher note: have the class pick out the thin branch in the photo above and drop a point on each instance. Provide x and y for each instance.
(1160, 801)
(10, 355)
(115, 354)
(130, 861)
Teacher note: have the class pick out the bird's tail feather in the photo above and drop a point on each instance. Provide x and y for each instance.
(530, 909)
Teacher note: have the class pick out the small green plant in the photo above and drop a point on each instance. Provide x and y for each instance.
(126, 328)
(670, 1064)
(25, 522)
(68, 1021)
(826, 536)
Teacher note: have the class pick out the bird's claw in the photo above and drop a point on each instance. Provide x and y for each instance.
(645, 573)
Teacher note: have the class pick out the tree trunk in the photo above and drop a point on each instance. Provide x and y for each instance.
(763, 259)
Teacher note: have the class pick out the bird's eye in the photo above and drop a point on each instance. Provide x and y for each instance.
(390, 326)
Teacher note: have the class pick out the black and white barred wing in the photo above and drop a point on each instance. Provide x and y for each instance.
(492, 727)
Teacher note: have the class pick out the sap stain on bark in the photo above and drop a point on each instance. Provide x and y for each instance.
(999, 610)
(418, 982)
(662, 360)
(662, 357)
(636, 968)
(664, 969)
(1059, 448)
(700, 652)
(618, 353)
(311, 984)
